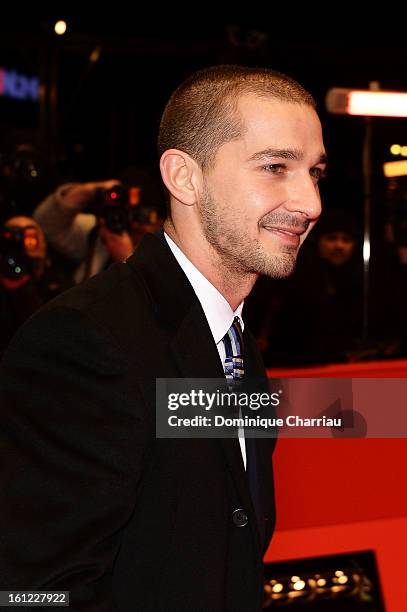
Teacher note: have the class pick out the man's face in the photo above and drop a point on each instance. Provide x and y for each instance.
(336, 247)
(261, 196)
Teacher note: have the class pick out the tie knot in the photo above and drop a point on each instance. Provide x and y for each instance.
(233, 341)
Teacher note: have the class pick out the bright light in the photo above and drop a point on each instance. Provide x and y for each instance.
(299, 585)
(395, 149)
(396, 168)
(403, 151)
(321, 582)
(277, 588)
(295, 578)
(377, 103)
(343, 579)
(60, 27)
(339, 573)
(368, 103)
(366, 250)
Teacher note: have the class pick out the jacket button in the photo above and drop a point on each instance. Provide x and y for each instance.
(239, 517)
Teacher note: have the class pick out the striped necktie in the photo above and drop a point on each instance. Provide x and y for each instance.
(234, 371)
(233, 341)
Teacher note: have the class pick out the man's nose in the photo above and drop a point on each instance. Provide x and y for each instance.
(304, 198)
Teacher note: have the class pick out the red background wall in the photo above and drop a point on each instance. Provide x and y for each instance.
(338, 495)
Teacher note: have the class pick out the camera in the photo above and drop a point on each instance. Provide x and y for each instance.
(15, 244)
(120, 208)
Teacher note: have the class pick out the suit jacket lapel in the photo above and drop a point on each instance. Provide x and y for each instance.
(190, 339)
(195, 351)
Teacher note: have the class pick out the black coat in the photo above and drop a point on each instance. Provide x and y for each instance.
(92, 502)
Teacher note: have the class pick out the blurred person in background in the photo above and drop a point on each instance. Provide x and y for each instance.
(25, 178)
(320, 316)
(397, 269)
(28, 279)
(96, 223)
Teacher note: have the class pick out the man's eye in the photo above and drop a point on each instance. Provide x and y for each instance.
(317, 173)
(274, 168)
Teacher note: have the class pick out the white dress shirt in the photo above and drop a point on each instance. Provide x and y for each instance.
(217, 310)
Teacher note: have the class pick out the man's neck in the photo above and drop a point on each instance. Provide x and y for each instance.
(234, 285)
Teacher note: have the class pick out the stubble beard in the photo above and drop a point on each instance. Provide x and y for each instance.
(238, 252)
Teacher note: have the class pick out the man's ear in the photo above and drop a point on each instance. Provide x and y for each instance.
(181, 175)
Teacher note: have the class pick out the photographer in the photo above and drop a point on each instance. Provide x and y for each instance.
(86, 224)
(27, 277)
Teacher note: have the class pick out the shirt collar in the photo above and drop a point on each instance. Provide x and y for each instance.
(217, 310)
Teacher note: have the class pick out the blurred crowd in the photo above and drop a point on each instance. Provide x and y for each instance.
(324, 313)
(55, 235)
(54, 238)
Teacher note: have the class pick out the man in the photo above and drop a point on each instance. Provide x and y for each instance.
(83, 237)
(337, 238)
(96, 505)
(78, 235)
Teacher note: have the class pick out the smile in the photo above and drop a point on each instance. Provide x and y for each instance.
(291, 237)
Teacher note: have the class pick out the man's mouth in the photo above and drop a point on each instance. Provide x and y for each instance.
(291, 235)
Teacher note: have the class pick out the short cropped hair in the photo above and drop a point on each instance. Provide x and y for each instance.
(201, 114)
